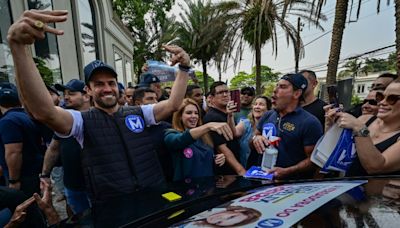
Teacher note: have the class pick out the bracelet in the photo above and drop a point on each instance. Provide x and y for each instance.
(184, 68)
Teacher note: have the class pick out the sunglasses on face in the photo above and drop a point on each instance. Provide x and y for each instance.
(247, 93)
(370, 101)
(390, 99)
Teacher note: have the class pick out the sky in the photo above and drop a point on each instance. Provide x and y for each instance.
(370, 32)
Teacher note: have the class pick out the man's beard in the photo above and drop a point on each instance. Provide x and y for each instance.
(106, 105)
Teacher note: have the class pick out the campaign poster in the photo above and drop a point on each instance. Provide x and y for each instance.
(279, 206)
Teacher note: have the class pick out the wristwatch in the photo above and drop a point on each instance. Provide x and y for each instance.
(363, 132)
(42, 175)
(14, 181)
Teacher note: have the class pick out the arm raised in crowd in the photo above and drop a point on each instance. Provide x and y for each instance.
(165, 108)
(31, 26)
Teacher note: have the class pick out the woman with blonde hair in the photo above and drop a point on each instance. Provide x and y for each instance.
(190, 145)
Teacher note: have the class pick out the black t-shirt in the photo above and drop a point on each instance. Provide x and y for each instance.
(215, 115)
(70, 153)
(317, 109)
(164, 156)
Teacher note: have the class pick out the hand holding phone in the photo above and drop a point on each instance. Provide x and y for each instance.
(333, 96)
(235, 97)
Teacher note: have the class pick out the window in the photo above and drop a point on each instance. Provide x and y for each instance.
(361, 88)
(119, 68)
(46, 50)
(6, 63)
(88, 31)
(128, 71)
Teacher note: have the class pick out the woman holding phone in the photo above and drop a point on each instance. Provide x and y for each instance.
(190, 145)
(377, 138)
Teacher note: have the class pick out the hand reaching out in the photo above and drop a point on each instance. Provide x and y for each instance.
(222, 129)
(20, 213)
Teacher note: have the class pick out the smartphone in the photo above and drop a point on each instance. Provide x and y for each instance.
(333, 96)
(235, 97)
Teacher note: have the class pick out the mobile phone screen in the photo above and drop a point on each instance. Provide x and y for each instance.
(235, 97)
(333, 95)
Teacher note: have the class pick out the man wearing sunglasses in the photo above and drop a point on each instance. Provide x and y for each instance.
(370, 105)
(246, 100)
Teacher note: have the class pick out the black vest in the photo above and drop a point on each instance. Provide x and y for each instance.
(116, 160)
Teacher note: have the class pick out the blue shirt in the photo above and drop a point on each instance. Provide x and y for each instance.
(296, 130)
(17, 127)
(191, 158)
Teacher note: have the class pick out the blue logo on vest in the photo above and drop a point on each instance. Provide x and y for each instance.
(269, 130)
(135, 123)
(270, 223)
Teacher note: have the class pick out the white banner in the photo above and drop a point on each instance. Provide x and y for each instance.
(280, 206)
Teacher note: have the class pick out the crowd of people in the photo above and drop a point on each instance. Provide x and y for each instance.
(107, 140)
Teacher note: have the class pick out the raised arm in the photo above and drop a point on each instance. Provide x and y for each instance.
(30, 27)
(165, 108)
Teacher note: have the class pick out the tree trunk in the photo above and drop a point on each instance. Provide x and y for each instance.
(336, 41)
(258, 68)
(205, 76)
(397, 14)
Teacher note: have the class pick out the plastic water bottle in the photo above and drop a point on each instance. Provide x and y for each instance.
(269, 158)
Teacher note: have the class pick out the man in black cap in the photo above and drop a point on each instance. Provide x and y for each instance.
(151, 81)
(75, 96)
(118, 157)
(21, 152)
(298, 129)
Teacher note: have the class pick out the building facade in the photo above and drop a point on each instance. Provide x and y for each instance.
(92, 31)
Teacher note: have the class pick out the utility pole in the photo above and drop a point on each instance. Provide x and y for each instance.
(297, 48)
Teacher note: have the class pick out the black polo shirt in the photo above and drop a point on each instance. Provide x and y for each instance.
(215, 115)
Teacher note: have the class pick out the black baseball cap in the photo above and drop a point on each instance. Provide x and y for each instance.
(52, 89)
(8, 92)
(146, 79)
(74, 85)
(247, 90)
(96, 66)
(297, 80)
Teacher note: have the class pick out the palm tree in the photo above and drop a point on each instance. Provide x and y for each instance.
(352, 68)
(206, 32)
(338, 29)
(260, 20)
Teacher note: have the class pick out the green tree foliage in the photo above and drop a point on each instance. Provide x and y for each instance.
(45, 72)
(206, 32)
(376, 65)
(200, 79)
(260, 20)
(355, 100)
(149, 27)
(269, 88)
(243, 79)
(352, 68)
